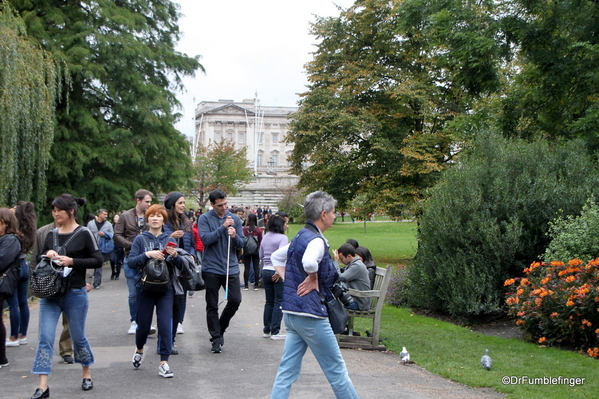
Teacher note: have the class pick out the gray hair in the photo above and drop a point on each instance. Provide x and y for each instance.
(317, 202)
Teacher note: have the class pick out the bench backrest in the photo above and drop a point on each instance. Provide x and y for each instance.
(381, 283)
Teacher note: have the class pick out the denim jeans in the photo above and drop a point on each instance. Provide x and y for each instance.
(19, 308)
(304, 332)
(272, 307)
(131, 275)
(74, 304)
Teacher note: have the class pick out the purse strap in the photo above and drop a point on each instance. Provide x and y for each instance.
(73, 235)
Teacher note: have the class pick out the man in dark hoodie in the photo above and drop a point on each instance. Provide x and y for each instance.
(217, 227)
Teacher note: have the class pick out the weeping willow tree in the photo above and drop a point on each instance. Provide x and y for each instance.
(30, 82)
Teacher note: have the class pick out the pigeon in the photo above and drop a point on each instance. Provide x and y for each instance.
(404, 355)
(486, 361)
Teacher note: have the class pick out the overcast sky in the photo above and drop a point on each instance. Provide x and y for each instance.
(247, 47)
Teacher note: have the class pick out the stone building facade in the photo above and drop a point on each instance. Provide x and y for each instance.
(262, 130)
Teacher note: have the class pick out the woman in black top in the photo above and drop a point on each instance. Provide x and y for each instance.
(77, 249)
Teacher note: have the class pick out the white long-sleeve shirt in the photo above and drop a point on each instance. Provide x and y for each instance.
(312, 257)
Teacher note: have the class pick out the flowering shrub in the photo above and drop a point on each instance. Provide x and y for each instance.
(558, 303)
(396, 294)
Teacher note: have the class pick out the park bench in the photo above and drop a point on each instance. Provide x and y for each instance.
(355, 339)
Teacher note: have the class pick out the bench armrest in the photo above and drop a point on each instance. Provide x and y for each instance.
(364, 294)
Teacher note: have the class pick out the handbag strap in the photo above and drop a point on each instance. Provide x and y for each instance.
(73, 235)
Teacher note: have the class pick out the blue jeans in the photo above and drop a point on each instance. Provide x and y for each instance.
(304, 332)
(74, 305)
(19, 308)
(131, 275)
(272, 307)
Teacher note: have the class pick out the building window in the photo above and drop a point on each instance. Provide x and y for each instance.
(288, 154)
(275, 138)
(241, 138)
(260, 138)
(217, 136)
(274, 158)
(260, 158)
(230, 135)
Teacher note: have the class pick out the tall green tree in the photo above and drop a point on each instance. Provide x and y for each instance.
(556, 90)
(386, 79)
(116, 133)
(219, 165)
(30, 81)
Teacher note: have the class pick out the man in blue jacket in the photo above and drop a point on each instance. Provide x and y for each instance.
(103, 232)
(216, 228)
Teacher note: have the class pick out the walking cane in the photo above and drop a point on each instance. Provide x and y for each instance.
(228, 256)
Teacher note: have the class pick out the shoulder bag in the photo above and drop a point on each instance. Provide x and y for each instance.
(49, 280)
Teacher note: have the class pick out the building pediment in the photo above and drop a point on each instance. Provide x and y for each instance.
(229, 109)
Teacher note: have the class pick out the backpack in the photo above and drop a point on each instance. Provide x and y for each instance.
(155, 276)
(251, 245)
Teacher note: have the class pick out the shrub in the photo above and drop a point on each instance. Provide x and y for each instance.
(558, 303)
(575, 237)
(488, 218)
(396, 294)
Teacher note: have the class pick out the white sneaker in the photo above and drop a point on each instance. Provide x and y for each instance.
(165, 371)
(180, 329)
(278, 337)
(265, 335)
(137, 359)
(153, 330)
(12, 343)
(133, 328)
(23, 341)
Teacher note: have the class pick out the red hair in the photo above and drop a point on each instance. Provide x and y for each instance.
(156, 209)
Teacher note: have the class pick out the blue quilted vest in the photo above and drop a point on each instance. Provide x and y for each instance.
(327, 275)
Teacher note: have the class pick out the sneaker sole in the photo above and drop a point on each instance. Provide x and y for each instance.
(166, 375)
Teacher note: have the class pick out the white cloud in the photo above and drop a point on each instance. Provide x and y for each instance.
(248, 47)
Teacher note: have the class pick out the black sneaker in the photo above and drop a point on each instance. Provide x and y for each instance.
(68, 359)
(216, 347)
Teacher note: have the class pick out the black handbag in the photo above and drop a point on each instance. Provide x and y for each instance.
(9, 280)
(338, 316)
(195, 281)
(48, 280)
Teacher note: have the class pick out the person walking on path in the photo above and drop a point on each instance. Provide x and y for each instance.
(130, 225)
(273, 282)
(10, 249)
(222, 235)
(251, 255)
(309, 275)
(153, 244)
(102, 230)
(178, 227)
(78, 250)
(18, 304)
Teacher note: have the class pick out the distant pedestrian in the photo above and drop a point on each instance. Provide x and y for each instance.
(222, 235)
(130, 225)
(273, 282)
(251, 256)
(18, 304)
(118, 255)
(102, 230)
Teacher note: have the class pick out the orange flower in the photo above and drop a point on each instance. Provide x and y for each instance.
(569, 303)
(542, 339)
(569, 279)
(513, 300)
(509, 281)
(520, 313)
(594, 352)
(586, 322)
(597, 331)
(519, 322)
(524, 281)
(554, 314)
(519, 291)
(546, 280)
(538, 301)
(556, 263)
(575, 262)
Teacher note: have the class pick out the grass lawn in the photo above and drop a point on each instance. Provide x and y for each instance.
(452, 351)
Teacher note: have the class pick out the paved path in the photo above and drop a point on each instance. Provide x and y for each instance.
(246, 368)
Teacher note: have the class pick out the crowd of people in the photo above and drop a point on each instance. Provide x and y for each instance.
(294, 275)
